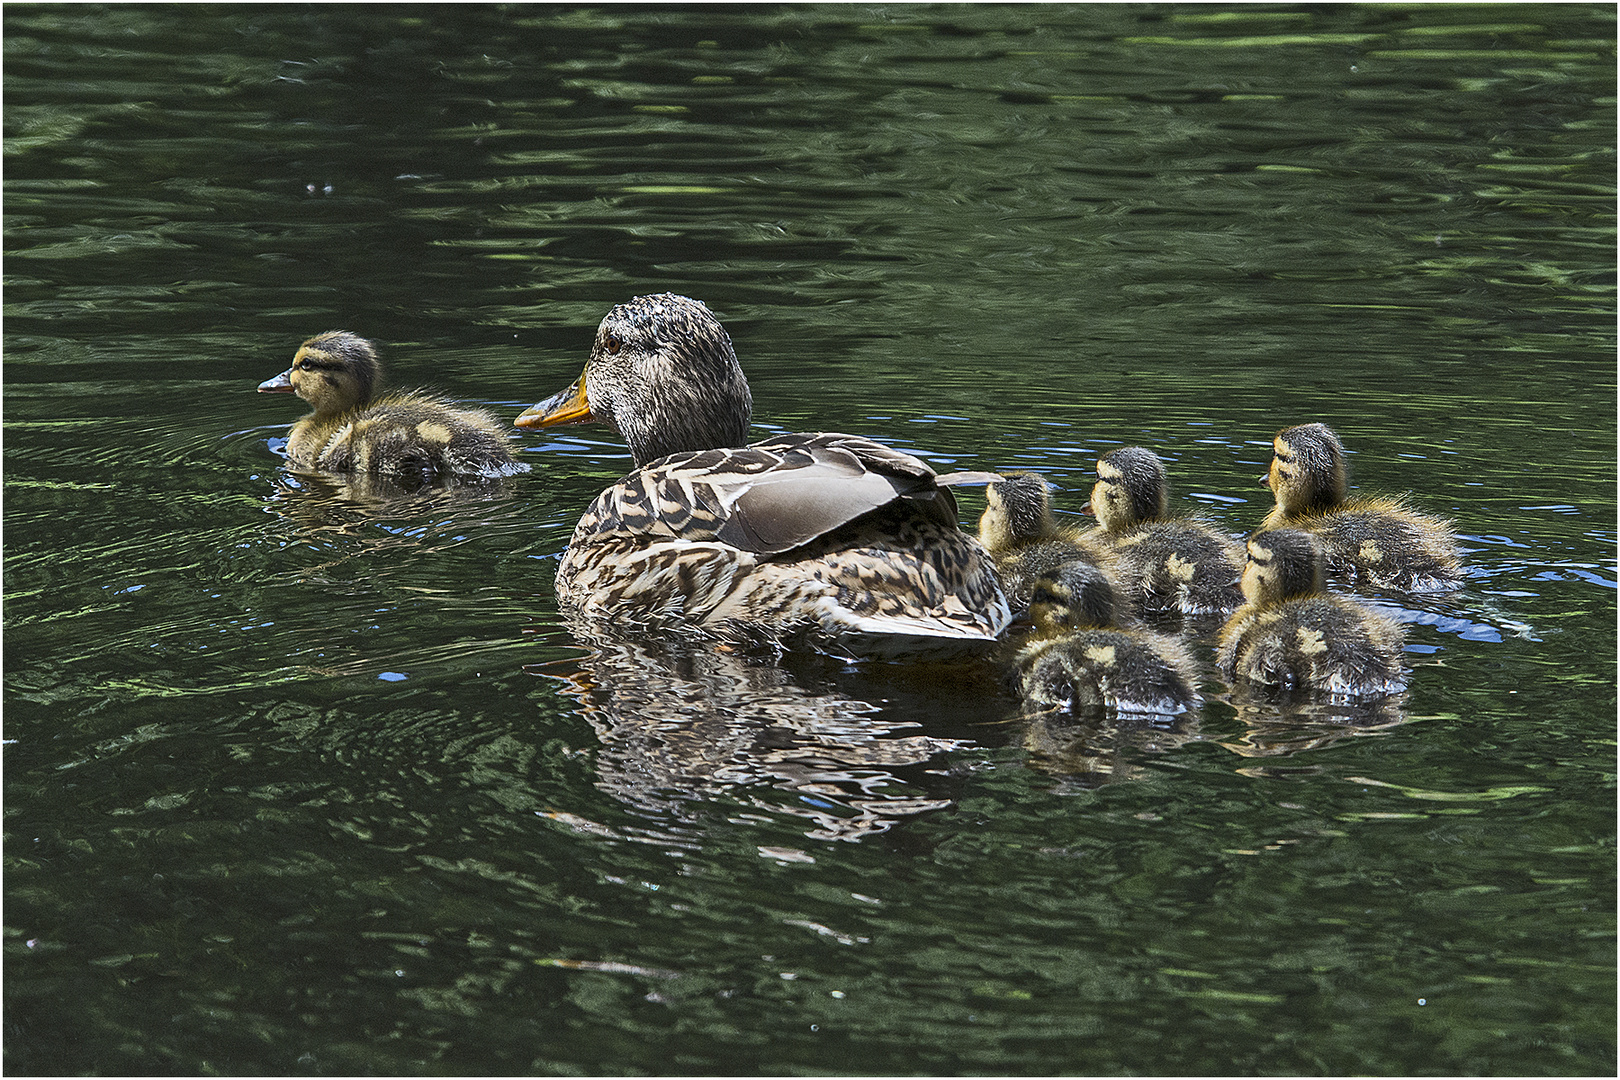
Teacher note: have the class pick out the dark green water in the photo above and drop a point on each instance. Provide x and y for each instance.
(298, 782)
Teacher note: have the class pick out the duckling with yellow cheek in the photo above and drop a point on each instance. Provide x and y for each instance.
(1081, 658)
(407, 434)
(1166, 564)
(1367, 540)
(1292, 635)
(1018, 529)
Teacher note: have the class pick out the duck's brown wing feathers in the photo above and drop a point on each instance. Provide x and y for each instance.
(770, 497)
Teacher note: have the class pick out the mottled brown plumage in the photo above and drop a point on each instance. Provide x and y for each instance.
(1293, 635)
(827, 534)
(1175, 564)
(1369, 540)
(408, 435)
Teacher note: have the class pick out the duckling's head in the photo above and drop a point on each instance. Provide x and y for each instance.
(1130, 488)
(334, 372)
(663, 374)
(1017, 511)
(1307, 469)
(1075, 595)
(1283, 564)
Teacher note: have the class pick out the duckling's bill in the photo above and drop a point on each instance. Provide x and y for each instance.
(279, 384)
(570, 406)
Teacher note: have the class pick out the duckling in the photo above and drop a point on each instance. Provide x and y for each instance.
(1018, 530)
(1166, 564)
(408, 434)
(1292, 635)
(1372, 540)
(825, 539)
(1081, 658)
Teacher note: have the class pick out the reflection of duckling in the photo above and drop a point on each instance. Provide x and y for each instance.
(1017, 528)
(1294, 636)
(1081, 660)
(1176, 564)
(1378, 540)
(406, 434)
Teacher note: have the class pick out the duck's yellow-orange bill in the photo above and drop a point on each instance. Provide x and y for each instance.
(567, 407)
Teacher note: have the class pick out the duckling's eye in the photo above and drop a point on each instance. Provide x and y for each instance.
(612, 343)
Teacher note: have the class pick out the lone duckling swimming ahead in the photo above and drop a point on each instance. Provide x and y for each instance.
(1081, 659)
(1165, 564)
(408, 434)
(1293, 635)
(1017, 528)
(833, 535)
(1373, 540)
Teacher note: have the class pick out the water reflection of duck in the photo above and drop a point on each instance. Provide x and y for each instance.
(410, 436)
(1081, 660)
(1165, 564)
(683, 722)
(1293, 635)
(1018, 529)
(1376, 540)
(833, 535)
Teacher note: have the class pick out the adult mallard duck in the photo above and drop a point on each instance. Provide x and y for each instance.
(1018, 529)
(1292, 635)
(832, 535)
(1371, 540)
(407, 434)
(1082, 659)
(1165, 564)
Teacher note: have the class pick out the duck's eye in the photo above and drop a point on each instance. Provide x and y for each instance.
(612, 343)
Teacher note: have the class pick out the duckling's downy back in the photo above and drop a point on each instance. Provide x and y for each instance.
(1293, 635)
(1379, 541)
(408, 434)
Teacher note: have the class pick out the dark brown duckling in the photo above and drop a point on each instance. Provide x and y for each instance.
(1181, 564)
(1293, 635)
(1367, 540)
(1018, 529)
(1081, 658)
(407, 434)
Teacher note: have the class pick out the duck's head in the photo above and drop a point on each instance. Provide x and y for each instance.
(1075, 595)
(1017, 510)
(662, 374)
(334, 371)
(1283, 564)
(1130, 488)
(1307, 469)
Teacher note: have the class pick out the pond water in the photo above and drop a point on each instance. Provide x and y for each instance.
(304, 781)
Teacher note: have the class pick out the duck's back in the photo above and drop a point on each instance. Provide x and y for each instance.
(822, 532)
(1105, 668)
(1322, 643)
(1381, 542)
(1180, 566)
(1024, 566)
(411, 434)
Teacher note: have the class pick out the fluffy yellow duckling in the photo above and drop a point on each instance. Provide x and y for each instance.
(1081, 659)
(408, 434)
(833, 536)
(1165, 564)
(1372, 540)
(1017, 528)
(1292, 635)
